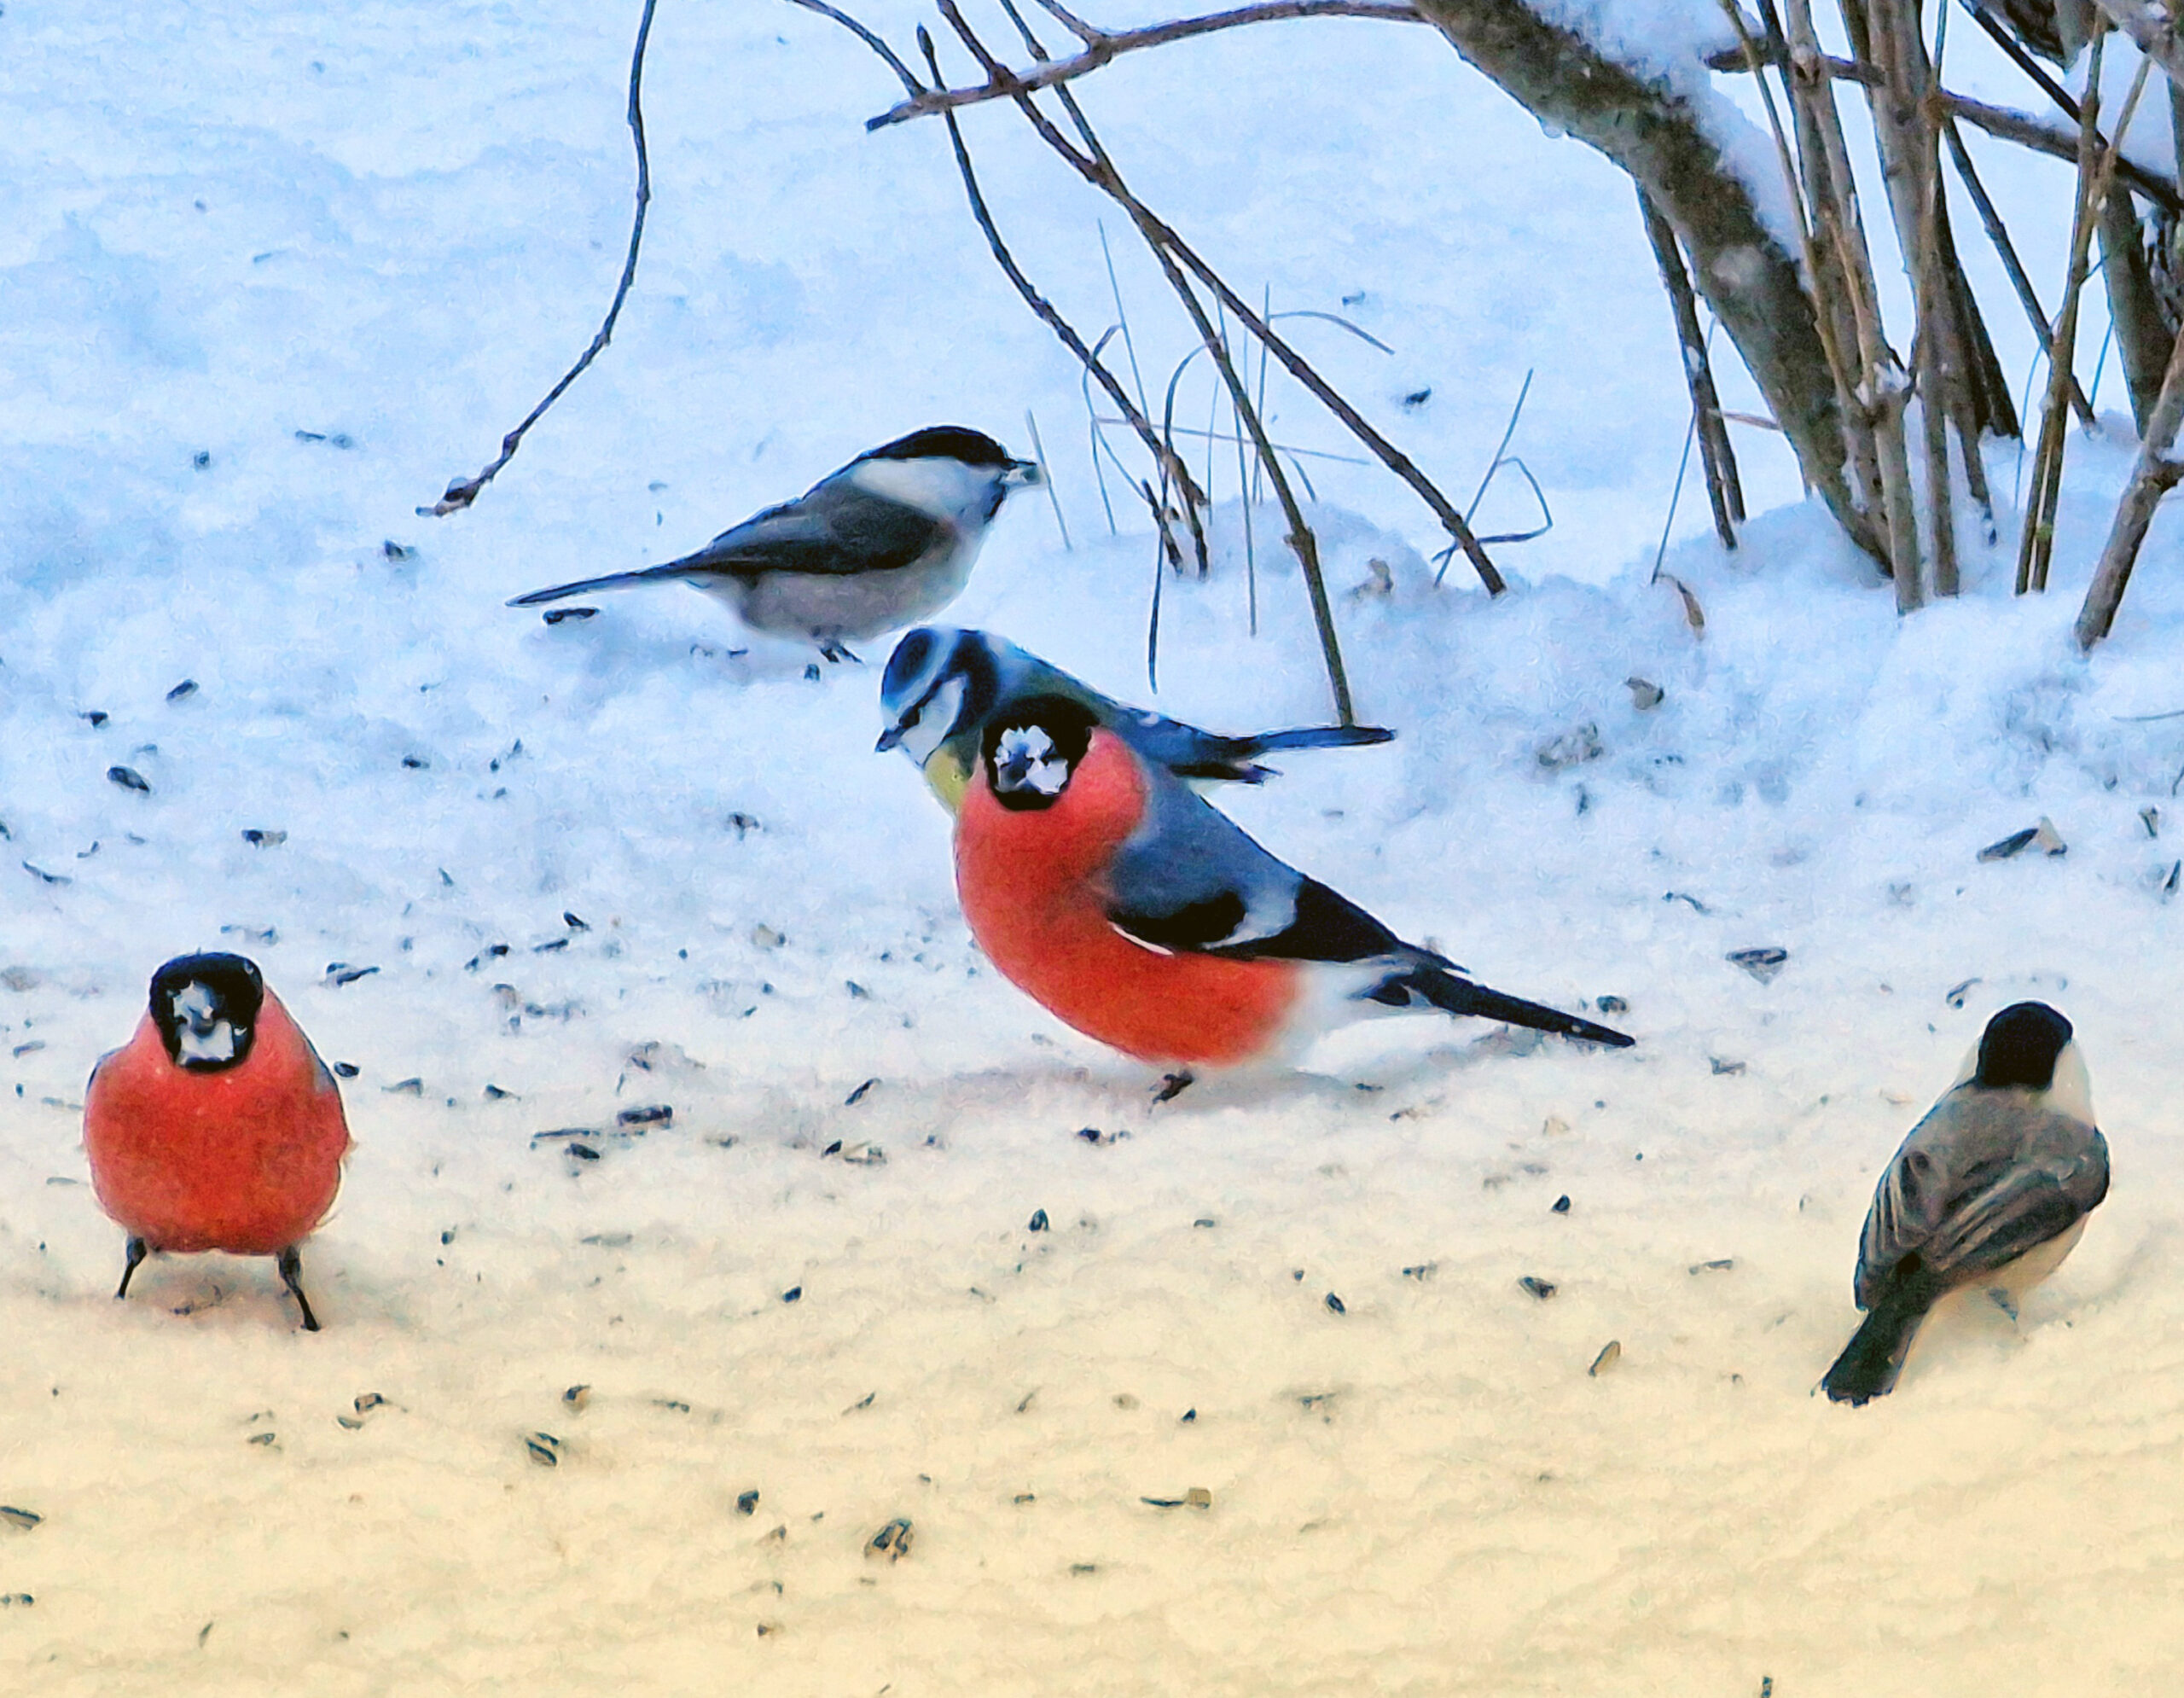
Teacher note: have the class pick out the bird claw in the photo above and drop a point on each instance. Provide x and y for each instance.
(833, 653)
(1173, 1086)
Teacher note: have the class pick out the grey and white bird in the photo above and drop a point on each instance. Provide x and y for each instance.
(1990, 1190)
(881, 544)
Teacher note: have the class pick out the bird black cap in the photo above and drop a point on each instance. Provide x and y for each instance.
(2019, 1047)
(236, 988)
(945, 442)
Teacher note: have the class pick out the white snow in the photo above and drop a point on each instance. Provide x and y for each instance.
(390, 226)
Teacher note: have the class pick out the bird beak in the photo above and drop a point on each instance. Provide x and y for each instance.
(891, 738)
(1021, 474)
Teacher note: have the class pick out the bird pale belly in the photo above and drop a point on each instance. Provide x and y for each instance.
(1027, 890)
(852, 606)
(214, 1161)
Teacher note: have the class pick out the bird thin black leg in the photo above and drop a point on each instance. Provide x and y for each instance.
(831, 650)
(292, 1275)
(1174, 1086)
(137, 1252)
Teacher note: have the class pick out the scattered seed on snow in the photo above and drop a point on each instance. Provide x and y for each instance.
(130, 779)
(1335, 1304)
(747, 1502)
(1721, 1265)
(259, 837)
(188, 687)
(543, 1448)
(1611, 1353)
(340, 972)
(1561, 1204)
(658, 1114)
(1763, 962)
(1038, 1221)
(1724, 1069)
(576, 1396)
(407, 1087)
(1541, 1289)
(865, 1402)
(794, 1294)
(25, 1519)
(858, 1096)
(891, 1541)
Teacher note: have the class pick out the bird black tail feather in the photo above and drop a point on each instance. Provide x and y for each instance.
(1232, 759)
(1313, 737)
(1869, 1364)
(584, 586)
(1446, 990)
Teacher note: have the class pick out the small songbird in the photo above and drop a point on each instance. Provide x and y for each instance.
(944, 685)
(1108, 889)
(877, 545)
(1990, 1189)
(216, 1126)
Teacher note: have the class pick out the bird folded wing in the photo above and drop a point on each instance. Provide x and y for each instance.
(1977, 1185)
(830, 531)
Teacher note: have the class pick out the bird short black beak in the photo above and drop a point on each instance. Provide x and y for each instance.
(1022, 474)
(891, 738)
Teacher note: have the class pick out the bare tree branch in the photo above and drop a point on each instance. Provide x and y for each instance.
(2154, 476)
(1998, 121)
(1171, 463)
(464, 490)
(1101, 47)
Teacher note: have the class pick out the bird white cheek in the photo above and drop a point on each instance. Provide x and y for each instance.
(944, 489)
(218, 1045)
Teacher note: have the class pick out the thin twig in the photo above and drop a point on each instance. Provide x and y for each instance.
(1998, 121)
(464, 490)
(909, 83)
(1501, 458)
(1047, 477)
(1723, 493)
(1101, 47)
(1052, 319)
(1108, 182)
(2006, 252)
(1097, 160)
(2153, 477)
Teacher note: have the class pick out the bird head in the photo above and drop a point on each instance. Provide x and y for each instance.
(206, 1007)
(1032, 752)
(948, 471)
(2031, 1047)
(940, 682)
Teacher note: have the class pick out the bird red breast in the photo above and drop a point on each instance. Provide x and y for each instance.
(1032, 888)
(216, 1126)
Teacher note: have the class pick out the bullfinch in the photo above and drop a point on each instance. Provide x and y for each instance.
(1990, 1190)
(216, 1126)
(1105, 887)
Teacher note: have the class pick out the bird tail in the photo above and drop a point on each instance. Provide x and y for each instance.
(1870, 1363)
(1234, 758)
(1313, 737)
(1444, 989)
(613, 580)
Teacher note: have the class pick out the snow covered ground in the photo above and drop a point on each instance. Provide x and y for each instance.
(271, 274)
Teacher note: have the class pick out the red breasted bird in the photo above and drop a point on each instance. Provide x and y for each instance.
(1102, 884)
(1989, 1191)
(216, 1126)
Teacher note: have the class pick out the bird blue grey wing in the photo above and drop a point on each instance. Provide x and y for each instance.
(1985, 1176)
(834, 529)
(1190, 878)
